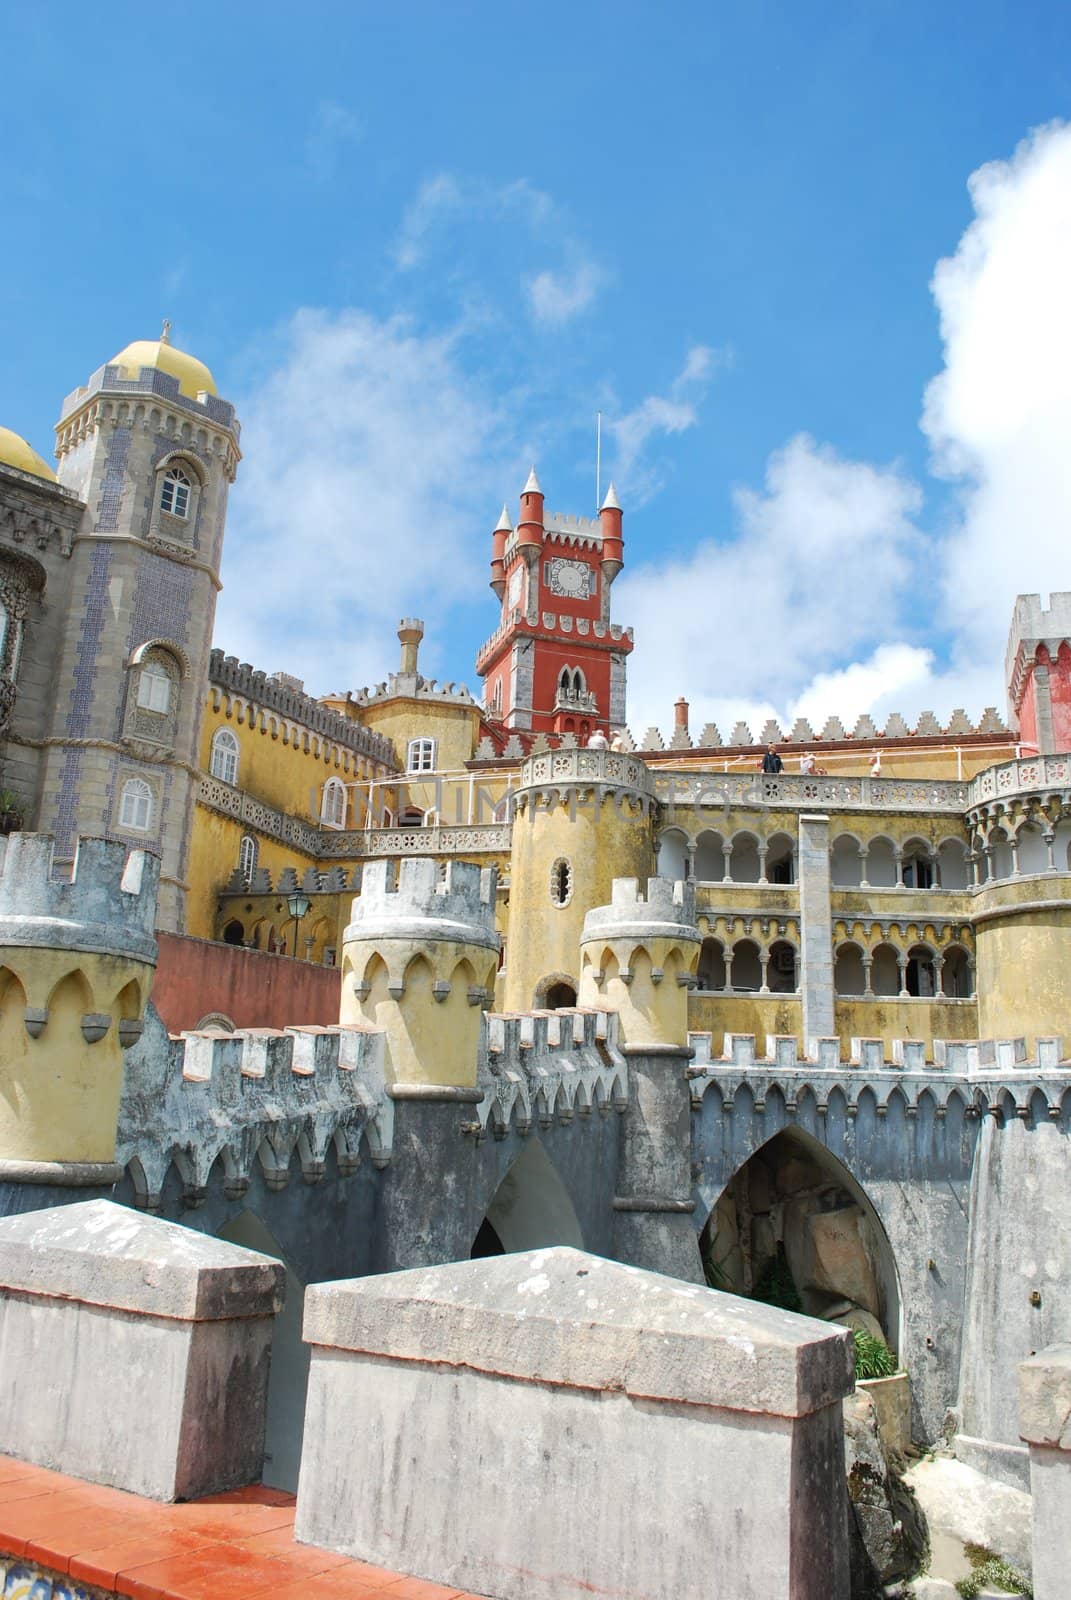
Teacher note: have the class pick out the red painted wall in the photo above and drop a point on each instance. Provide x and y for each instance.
(252, 988)
(1060, 696)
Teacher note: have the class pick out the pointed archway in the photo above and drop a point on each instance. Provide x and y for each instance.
(795, 1227)
(530, 1208)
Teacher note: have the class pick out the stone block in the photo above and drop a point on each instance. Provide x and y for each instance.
(1045, 1424)
(134, 1352)
(580, 1398)
(833, 1257)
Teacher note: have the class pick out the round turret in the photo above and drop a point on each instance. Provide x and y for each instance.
(418, 961)
(530, 522)
(639, 957)
(580, 817)
(613, 543)
(503, 529)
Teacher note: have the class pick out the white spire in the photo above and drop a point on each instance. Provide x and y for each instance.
(504, 525)
(532, 486)
(611, 502)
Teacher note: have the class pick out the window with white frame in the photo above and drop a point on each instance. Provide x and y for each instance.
(421, 755)
(154, 687)
(333, 804)
(247, 858)
(175, 493)
(135, 805)
(225, 756)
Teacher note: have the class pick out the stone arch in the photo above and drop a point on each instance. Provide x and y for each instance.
(746, 971)
(918, 863)
(793, 1218)
(952, 864)
(849, 974)
(846, 862)
(957, 979)
(553, 991)
(882, 868)
(672, 854)
(780, 858)
(712, 969)
(710, 857)
(920, 975)
(1033, 852)
(885, 971)
(289, 1374)
(744, 860)
(531, 1208)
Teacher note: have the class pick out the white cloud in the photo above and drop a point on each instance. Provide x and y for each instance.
(814, 572)
(555, 298)
(659, 415)
(333, 128)
(999, 415)
(816, 605)
(370, 462)
(446, 195)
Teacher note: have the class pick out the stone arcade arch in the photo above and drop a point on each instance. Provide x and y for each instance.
(530, 1208)
(793, 1211)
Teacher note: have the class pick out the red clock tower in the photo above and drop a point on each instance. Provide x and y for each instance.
(556, 663)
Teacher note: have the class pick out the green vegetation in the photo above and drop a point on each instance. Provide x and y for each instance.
(989, 1571)
(873, 1358)
(777, 1287)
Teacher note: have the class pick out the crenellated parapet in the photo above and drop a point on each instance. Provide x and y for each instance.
(419, 961)
(544, 1067)
(997, 1077)
(639, 956)
(254, 1101)
(77, 955)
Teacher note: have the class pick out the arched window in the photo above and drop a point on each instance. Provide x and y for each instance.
(225, 756)
(175, 493)
(154, 687)
(421, 755)
(333, 805)
(247, 858)
(135, 805)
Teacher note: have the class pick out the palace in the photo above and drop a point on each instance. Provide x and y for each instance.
(435, 975)
(937, 857)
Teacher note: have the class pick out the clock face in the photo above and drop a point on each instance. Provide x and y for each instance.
(571, 579)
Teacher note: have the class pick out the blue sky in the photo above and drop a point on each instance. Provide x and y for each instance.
(420, 245)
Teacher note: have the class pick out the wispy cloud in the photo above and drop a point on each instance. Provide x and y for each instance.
(371, 459)
(660, 415)
(333, 129)
(555, 298)
(448, 196)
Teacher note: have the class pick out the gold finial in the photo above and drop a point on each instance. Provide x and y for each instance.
(165, 331)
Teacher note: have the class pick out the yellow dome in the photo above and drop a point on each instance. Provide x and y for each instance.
(15, 452)
(193, 376)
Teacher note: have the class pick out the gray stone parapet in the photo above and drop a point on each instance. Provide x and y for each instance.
(565, 1381)
(666, 912)
(556, 774)
(1045, 1424)
(252, 1098)
(415, 903)
(542, 1067)
(105, 904)
(158, 1337)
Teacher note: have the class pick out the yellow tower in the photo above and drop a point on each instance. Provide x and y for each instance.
(639, 958)
(77, 956)
(581, 817)
(419, 961)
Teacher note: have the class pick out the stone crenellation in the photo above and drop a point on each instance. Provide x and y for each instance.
(105, 902)
(416, 887)
(544, 1067)
(253, 1099)
(270, 694)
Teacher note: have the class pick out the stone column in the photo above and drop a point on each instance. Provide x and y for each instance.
(1045, 1424)
(868, 988)
(548, 1383)
(727, 862)
(901, 962)
(816, 931)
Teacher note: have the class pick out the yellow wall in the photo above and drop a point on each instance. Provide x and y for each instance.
(546, 939)
(768, 1015)
(1024, 957)
(213, 858)
(429, 1041)
(59, 1096)
(286, 776)
(454, 727)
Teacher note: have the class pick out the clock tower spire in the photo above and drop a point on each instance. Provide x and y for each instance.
(556, 663)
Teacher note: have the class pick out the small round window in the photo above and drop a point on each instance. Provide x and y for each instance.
(561, 882)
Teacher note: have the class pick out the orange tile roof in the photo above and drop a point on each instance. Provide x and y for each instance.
(225, 1547)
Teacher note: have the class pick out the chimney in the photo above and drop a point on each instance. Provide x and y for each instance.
(410, 632)
(680, 713)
